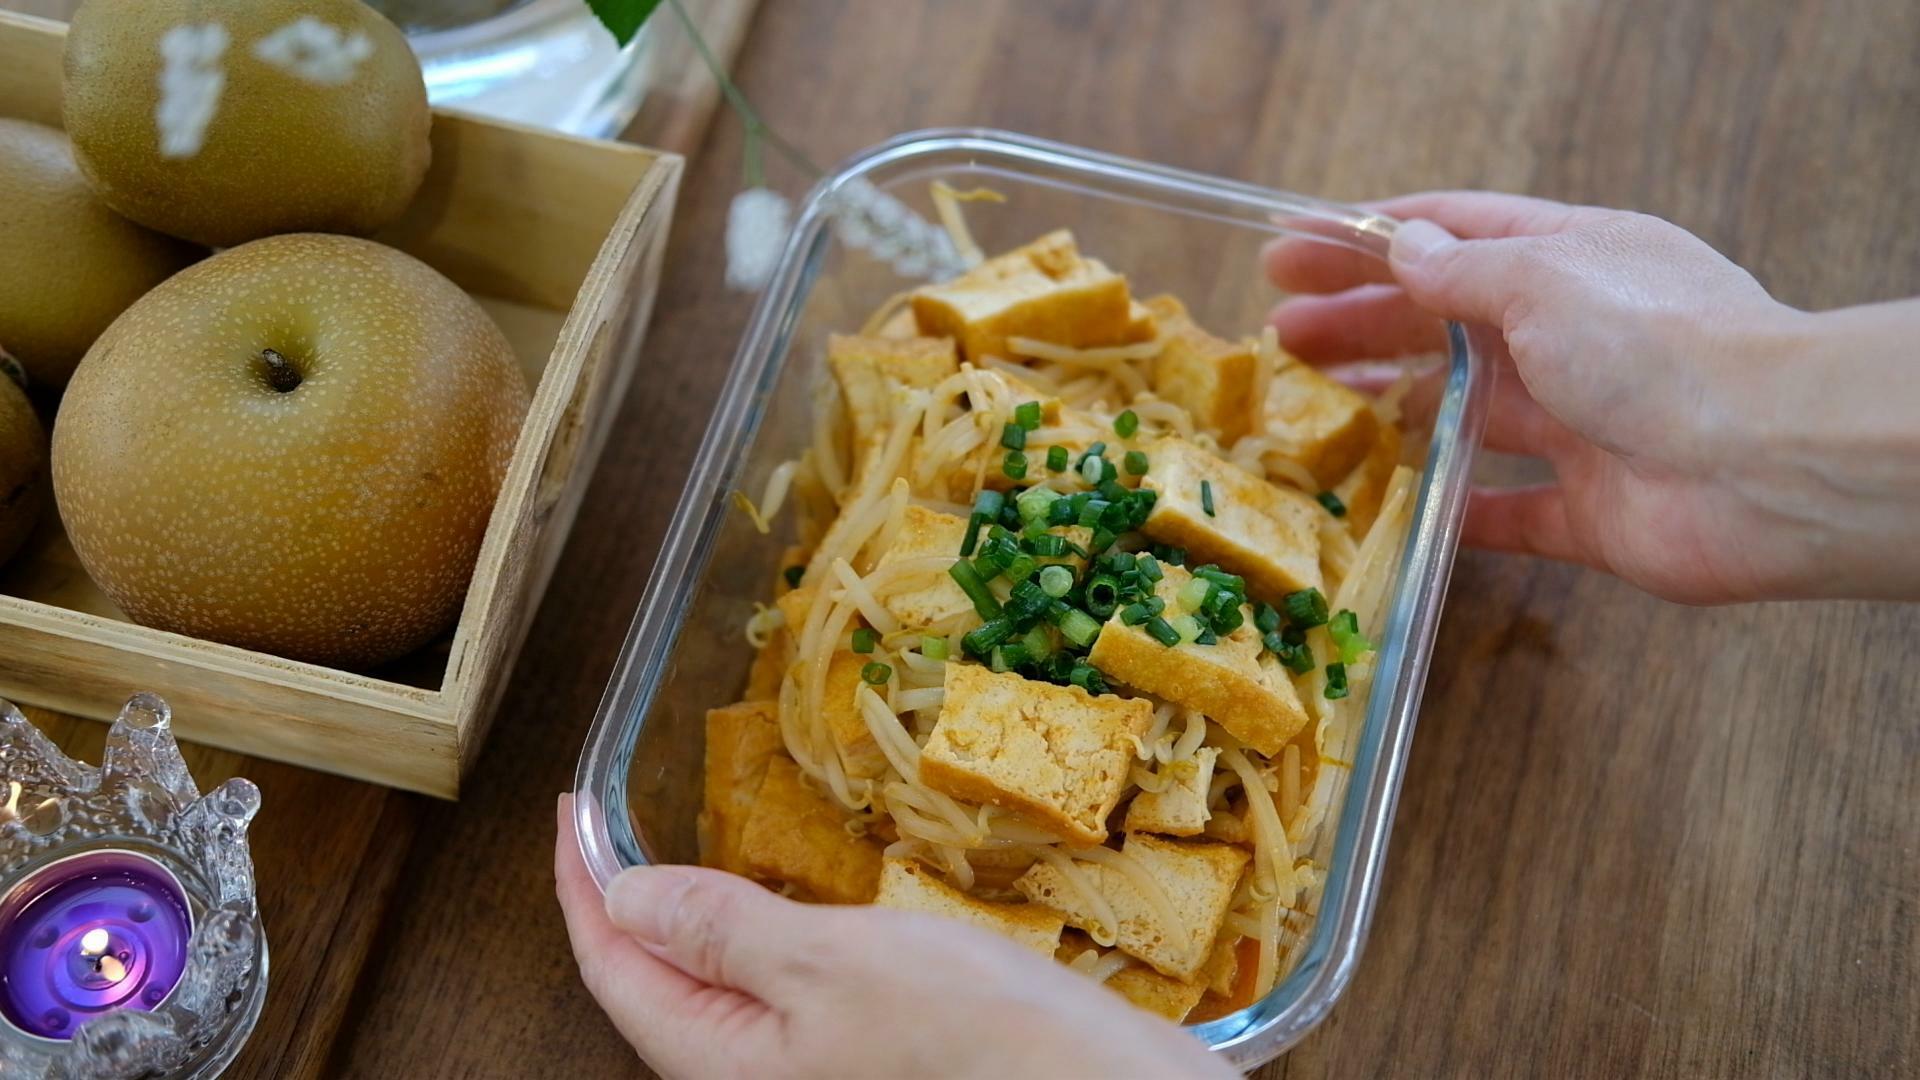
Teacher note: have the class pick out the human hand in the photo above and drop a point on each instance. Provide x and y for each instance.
(708, 974)
(1709, 444)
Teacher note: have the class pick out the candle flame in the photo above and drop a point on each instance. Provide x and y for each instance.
(94, 942)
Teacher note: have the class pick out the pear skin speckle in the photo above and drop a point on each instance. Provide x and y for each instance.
(336, 521)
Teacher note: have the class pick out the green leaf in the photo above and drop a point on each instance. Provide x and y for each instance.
(623, 17)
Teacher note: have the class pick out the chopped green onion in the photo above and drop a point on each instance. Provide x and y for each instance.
(1010, 656)
(1136, 463)
(1039, 642)
(1345, 631)
(1103, 539)
(1014, 464)
(1266, 618)
(1090, 511)
(986, 510)
(1057, 458)
(1062, 512)
(1333, 504)
(1027, 414)
(864, 640)
(1078, 627)
(1126, 424)
(1336, 681)
(1193, 594)
(1135, 614)
(983, 639)
(1093, 451)
(1112, 492)
(1220, 577)
(1294, 655)
(933, 647)
(1172, 556)
(1162, 631)
(1108, 471)
(1013, 437)
(1048, 546)
(793, 574)
(1088, 678)
(1207, 637)
(1186, 626)
(1206, 496)
(1306, 608)
(1033, 503)
(1056, 581)
(876, 673)
(1103, 595)
(1093, 469)
(1149, 567)
(1021, 568)
(971, 583)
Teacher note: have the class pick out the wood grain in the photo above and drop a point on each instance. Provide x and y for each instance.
(1636, 839)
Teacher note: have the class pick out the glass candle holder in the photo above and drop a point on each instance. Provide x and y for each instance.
(130, 942)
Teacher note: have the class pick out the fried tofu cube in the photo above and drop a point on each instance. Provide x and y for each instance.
(799, 836)
(1156, 993)
(1212, 378)
(741, 740)
(1318, 424)
(794, 604)
(900, 324)
(927, 599)
(1180, 810)
(1365, 487)
(1223, 964)
(869, 369)
(909, 886)
(1233, 681)
(1045, 291)
(1267, 534)
(1055, 754)
(1199, 878)
(840, 708)
(770, 666)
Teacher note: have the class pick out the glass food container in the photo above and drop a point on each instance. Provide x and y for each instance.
(1198, 237)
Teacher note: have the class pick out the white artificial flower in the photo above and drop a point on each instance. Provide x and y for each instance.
(875, 222)
(190, 84)
(315, 51)
(757, 226)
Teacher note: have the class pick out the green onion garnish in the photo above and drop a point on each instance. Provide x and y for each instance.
(1013, 437)
(1193, 594)
(1039, 642)
(1033, 502)
(1062, 512)
(1206, 496)
(1266, 618)
(876, 673)
(1306, 608)
(1172, 556)
(1135, 614)
(1149, 567)
(1207, 637)
(1345, 631)
(1126, 424)
(1093, 469)
(1088, 678)
(986, 510)
(1162, 631)
(864, 640)
(1048, 546)
(1027, 414)
(1056, 581)
(1078, 627)
(1336, 681)
(1057, 458)
(793, 574)
(933, 647)
(975, 587)
(1136, 463)
(1333, 504)
(1014, 464)
(1021, 568)
(983, 639)
(1103, 595)
(1186, 626)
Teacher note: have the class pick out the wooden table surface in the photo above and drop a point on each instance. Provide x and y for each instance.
(1635, 839)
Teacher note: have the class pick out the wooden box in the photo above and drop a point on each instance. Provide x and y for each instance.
(561, 239)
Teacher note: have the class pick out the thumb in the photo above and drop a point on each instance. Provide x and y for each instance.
(722, 929)
(1475, 281)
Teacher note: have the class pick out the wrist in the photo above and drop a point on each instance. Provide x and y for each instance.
(1819, 439)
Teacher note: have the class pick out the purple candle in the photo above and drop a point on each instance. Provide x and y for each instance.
(90, 934)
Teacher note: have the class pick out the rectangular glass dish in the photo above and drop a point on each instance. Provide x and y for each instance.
(640, 775)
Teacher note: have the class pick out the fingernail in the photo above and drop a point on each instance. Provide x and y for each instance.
(644, 901)
(1415, 240)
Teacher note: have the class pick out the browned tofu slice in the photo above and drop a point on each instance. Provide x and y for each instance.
(1233, 681)
(925, 600)
(1155, 992)
(794, 605)
(1199, 879)
(909, 886)
(846, 726)
(741, 740)
(1180, 810)
(1365, 487)
(1056, 754)
(1322, 426)
(1223, 964)
(1268, 534)
(1045, 291)
(770, 666)
(869, 369)
(1212, 378)
(798, 836)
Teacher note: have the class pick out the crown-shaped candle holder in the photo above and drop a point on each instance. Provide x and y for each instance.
(130, 943)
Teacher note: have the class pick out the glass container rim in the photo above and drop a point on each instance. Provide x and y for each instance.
(1301, 1000)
